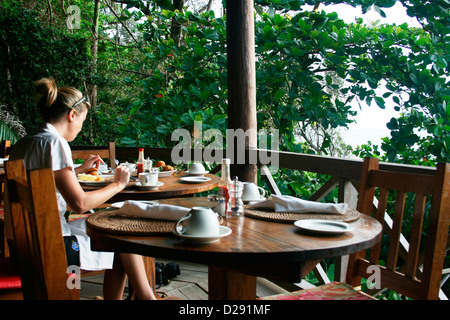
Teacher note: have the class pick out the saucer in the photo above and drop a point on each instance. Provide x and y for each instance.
(156, 186)
(223, 232)
(197, 173)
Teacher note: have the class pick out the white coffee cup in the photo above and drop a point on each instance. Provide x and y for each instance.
(252, 192)
(200, 221)
(148, 178)
(131, 166)
(196, 168)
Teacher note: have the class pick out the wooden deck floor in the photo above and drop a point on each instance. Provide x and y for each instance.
(191, 284)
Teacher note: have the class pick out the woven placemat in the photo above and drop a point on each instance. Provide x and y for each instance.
(288, 217)
(107, 221)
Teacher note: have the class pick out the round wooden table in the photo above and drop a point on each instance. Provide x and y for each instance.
(278, 251)
(173, 187)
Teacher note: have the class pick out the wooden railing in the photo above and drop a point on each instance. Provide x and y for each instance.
(344, 174)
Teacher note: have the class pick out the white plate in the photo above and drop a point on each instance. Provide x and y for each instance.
(98, 183)
(120, 204)
(323, 226)
(162, 174)
(223, 232)
(195, 179)
(197, 173)
(260, 199)
(156, 186)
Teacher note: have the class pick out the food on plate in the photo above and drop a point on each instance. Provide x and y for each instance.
(92, 171)
(160, 164)
(167, 168)
(91, 174)
(89, 177)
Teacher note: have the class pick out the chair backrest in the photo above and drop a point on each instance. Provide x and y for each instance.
(82, 152)
(30, 200)
(417, 272)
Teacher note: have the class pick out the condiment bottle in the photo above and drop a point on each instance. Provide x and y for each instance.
(140, 161)
(224, 179)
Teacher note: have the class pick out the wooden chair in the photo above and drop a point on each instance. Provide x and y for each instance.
(82, 152)
(405, 276)
(5, 148)
(31, 207)
(10, 283)
(31, 204)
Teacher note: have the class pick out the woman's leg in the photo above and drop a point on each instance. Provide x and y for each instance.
(114, 281)
(134, 267)
(115, 278)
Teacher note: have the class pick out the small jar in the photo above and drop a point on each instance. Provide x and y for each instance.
(220, 206)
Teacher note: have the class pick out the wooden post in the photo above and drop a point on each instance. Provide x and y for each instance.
(222, 289)
(242, 82)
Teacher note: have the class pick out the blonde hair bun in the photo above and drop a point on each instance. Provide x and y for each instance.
(54, 102)
(45, 88)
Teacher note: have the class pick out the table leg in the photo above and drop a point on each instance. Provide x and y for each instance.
(225, 284)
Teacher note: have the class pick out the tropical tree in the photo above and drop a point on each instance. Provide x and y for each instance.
(160, 66)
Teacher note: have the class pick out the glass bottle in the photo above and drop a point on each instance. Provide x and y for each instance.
(224, 179)
(140, 161)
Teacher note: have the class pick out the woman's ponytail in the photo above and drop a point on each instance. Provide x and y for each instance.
(45, 92)
(54, 102)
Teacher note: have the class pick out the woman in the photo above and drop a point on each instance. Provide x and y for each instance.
(64, 111)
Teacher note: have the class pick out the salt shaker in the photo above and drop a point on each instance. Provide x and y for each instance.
(235, 205)
(220, 206)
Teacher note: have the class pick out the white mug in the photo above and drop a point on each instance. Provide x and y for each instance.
(252, 192)
(148, 178)
(200, 221)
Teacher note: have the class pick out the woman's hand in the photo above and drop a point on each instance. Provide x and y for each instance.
(80, 201)
(91, 161)
(122, 175)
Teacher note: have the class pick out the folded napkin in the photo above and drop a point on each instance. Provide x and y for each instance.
(133, 208)
(296, 205)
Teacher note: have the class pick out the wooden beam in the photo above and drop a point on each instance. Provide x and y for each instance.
(242, 80)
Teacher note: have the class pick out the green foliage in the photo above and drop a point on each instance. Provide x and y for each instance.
(417, 82)
(31, 51)
(294, 86)
(178, 91)
(11, 127)
(310, 67)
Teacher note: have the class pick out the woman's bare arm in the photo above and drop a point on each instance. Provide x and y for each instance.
(81, 201)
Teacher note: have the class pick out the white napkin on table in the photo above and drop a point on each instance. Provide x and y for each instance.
(134, 208)
(296, 205)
